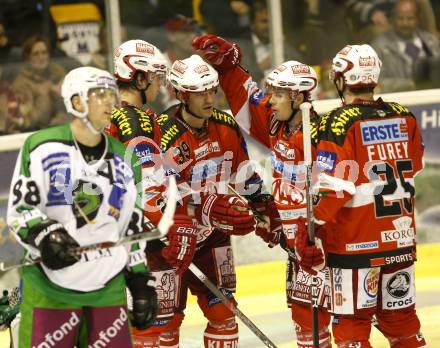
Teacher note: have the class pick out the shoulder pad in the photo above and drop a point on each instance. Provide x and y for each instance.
(221, 117)
(167, 114)
(60, 134)
(132, 122)
(399, 110)
(171, 130)
(334, 124)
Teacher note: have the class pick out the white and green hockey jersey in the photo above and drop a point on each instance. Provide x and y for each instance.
(95, 202)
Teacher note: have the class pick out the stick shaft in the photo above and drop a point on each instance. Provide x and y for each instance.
(307, 148)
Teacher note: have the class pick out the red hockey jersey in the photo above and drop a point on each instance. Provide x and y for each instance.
(138, 130)
(252, 111)
(369, 154)
(203, 159)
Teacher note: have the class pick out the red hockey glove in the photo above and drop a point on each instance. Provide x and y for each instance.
(227, 213)
(182, 240)
(270, 230)
(221, 54)
(310, 257)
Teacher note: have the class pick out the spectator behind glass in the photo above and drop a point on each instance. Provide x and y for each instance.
(371, 18)
(261, 45)
(11, 118)
(406, 49)
(180, 32)
(38, 86)
(9, 55)
(225, 18)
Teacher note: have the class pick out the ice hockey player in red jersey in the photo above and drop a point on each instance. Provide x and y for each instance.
(274, 120)
(369, 152)
(140, 69)
(209, 149)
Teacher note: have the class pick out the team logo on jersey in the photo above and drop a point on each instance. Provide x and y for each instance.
(371, 282)
(166, 289)
(256, 97)
(206, 149)
(224, 259)
(87, 198)
(403, 235)
(384, 131)
(144, 153)
(286, 193)
(326, 160)
(289, 171)
(284, 150)
(399, 284)
(362, 246)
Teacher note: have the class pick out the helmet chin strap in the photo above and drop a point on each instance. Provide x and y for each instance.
(90, 126)
(143, 93)
(340, 91)
(294, 112)
(83, 116)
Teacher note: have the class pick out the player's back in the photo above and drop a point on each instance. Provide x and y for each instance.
(377, 146)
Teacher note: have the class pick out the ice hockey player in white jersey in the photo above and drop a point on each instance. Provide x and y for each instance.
(71, 187)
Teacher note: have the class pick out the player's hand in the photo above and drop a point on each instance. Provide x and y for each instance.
(182, 240)
(310, 257)
(271, 228)
(221, 54)
(144, 296)
(54, 243)
(227, 213)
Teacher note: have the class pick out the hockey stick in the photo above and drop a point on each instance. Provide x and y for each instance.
(260, 218)
(234, 309)
(156, 233)
(305, 110)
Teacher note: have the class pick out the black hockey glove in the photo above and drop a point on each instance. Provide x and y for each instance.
(54, 242)
(145, 304)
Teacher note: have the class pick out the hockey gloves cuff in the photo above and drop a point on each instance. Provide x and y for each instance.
(221, 54)
(182, 240)
(144, 296)
(226, 213)
(310, 257)
(54, 243)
